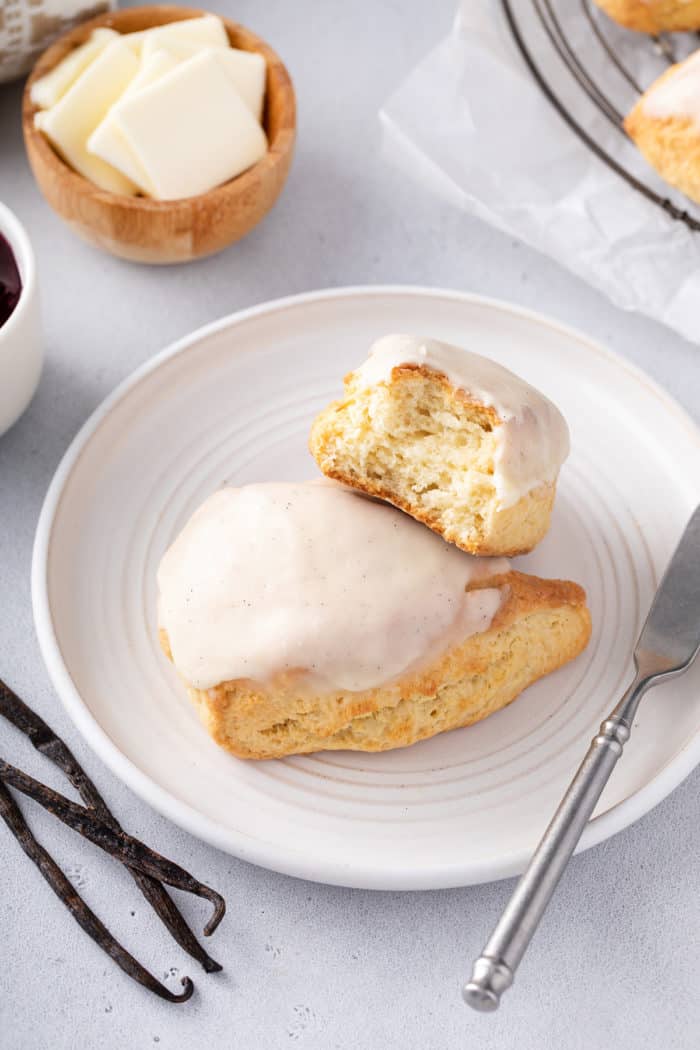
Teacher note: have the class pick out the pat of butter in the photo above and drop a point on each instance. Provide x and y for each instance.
(47, 91)
(246, 70)
(107, 140)
(70, 123)
(152, 68)
(191, 130)
(208, 31)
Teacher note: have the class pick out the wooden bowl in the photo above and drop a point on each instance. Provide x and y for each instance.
(152, 231)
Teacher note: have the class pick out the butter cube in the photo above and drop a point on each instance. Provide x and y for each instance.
(71, 122)
(47, 91)
(208, 31)
(191, 130)
(107, 140)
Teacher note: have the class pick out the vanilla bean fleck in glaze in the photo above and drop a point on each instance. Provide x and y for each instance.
(533, 440)
(311, 577)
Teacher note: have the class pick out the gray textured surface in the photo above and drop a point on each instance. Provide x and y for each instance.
(617, 958)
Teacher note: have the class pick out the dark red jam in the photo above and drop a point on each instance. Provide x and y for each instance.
(10, 283)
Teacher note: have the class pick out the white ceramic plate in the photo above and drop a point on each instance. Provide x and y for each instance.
(233, 403)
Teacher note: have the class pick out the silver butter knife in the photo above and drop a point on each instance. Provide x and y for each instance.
(667, 646)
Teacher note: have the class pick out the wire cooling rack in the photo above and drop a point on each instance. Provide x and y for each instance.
(558, 39)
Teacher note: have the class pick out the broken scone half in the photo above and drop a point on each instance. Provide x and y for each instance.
(452, 438)
(665, 126)
(306, 617)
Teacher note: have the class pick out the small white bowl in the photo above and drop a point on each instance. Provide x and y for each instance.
(21, 354)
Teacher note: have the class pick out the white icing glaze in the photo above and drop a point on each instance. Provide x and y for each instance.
(533, 440)
(678, 95)
(316, 578)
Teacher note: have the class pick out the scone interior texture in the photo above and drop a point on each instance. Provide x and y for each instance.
(654, 16)
(305, 617)
(665, 126)
(452, 438)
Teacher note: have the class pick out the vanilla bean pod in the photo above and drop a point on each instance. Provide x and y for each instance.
(128, 850)
(83, 915)
(49, 744)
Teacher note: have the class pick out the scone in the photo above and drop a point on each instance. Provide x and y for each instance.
(665, 125)
(654, 16)
(452, 438)
(306, 617)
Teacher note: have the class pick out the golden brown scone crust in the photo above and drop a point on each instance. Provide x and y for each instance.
(670, 144)
(541, 625)
(653, 16)
(495, 531)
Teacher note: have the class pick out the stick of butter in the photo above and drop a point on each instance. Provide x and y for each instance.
(72, 120)
(47, 91)
(207, 31)
(191, 130)
(107, 140)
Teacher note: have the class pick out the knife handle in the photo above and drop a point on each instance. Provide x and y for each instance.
(494, 970)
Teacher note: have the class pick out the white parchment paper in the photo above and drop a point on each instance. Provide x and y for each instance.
(471, 121)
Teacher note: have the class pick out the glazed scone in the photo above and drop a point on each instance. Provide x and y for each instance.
(452, 438)
(654, 16)
(665, 126)
(306, 617)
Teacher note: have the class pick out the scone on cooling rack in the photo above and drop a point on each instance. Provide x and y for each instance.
(306, 617)
(452, 438)
(654, 16)
(665, 125)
